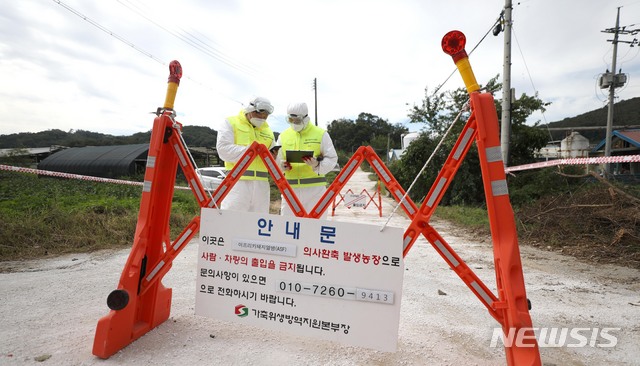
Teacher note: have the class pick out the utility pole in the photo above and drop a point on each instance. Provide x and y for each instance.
(505, 128)
(612, 92)
(613, 80)
(315, 89)
(388, 145)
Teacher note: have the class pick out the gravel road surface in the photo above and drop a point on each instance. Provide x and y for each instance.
(49, 310)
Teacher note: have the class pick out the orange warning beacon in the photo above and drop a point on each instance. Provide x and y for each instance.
(453, 44)
(175, 73)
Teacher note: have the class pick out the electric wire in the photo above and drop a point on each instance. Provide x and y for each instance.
(498, 20)
(193, 41)
(524, 61)
(473, 49)
(135, 47)
(433, 153)
(109, 32)
(601, 96)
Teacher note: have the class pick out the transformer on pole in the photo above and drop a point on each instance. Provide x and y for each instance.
(611, 80)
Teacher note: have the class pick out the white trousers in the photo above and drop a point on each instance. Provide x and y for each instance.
(308, 196)
(248, 195)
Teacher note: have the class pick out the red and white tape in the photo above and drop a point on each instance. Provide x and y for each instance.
(73, 176)
(543, 164)
(576, 161)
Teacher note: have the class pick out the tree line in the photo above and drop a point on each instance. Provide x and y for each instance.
(193, 136)
(435, 114)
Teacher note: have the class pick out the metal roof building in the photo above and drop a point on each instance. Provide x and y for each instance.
(36, 153)
(99, 161)
(622, 141)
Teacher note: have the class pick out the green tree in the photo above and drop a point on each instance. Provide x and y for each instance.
(437, 112)
(199, 136)
(193, 136)
(367, 129)
(525, 140)
(342, 133)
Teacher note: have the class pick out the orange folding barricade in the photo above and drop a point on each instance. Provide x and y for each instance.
(141, 302)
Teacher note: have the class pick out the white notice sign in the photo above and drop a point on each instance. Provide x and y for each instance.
(331, 280)
(355, 200)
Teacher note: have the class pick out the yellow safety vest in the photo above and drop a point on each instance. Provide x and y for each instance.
(310, 138)
(245, 134)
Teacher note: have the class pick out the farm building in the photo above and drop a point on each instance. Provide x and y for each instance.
(30, 155)
(623, 142)
(99, 161)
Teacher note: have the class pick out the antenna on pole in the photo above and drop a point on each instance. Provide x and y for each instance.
(315, 90)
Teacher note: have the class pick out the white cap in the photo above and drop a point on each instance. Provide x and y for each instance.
(298, 109)
(259, 104)
(298, 116)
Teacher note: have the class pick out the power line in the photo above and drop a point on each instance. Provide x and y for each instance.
(193, 41)
(614, 80)
(473, 49)
(132, 45)
(109, 32)
(524, 61)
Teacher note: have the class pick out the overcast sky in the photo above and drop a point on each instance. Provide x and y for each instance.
(102, 66)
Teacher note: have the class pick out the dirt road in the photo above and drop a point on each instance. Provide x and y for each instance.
(49, 310)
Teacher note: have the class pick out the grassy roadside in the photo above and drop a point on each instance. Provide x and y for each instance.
(44, 216)
(470, 218)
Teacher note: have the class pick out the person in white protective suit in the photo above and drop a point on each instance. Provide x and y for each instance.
(308, 178)
(251, 192)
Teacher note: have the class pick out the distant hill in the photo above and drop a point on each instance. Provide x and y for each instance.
(194, 136)
(625, 113)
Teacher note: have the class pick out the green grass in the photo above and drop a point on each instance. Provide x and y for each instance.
(43, 216)
(472, 218)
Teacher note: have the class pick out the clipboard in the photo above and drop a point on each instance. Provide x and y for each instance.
(295, 156)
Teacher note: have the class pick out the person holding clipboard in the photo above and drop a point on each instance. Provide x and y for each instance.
(306, 155)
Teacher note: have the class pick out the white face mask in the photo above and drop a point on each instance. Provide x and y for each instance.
(297, 126)
(257, 122)
(297, 123)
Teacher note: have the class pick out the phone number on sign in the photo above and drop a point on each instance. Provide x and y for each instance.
(336, 292)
